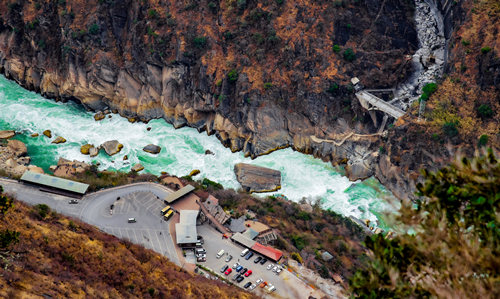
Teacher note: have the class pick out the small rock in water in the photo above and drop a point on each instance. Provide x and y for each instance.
(109, 116)
(125, 158)
(112, 147)
(256, 178)
(47, 133)
(131, 120)
(58, 140)
(137, 167)
(209, 152)
(93, 151)
(151, 148)
(148, 128)
(34, 135)
(99, 116)
(85, 149)
(194, 172)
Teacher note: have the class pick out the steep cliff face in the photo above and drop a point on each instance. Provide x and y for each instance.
(260, 76)
(463, 114)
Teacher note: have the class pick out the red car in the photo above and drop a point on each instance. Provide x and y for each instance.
(228, 271)
(249, 272)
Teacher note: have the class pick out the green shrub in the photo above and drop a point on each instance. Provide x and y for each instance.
(213, 7)
(465, 42)
(94, 29)
(450, 129)
(42, 210)
(200, 42)
(485, 50)
(208, 183)
(5, 204)
(268, 85)
(152, 13)
(349, 55)
(336, 48)
(8, 237)
(333, 88)
(296, 256)
(232, 76)
(484, 111)
(428, 90)
(483, 140)
(304, 215)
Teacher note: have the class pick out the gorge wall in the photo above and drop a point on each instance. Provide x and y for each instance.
(261, 76)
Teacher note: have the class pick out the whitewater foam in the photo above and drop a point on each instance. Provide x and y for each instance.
(182, 151)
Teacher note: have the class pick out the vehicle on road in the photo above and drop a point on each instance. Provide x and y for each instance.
(270, 266)
(258, 259)
(132, 220)
(244, 252)
(200, 239)
(270, 288)
(73, 201)
(165, 210)
(279, 271)
(224, 268)
(239, 279)
(238, 269)
(236, 265)
(228, 258)
(249, 272)
(228, 271)
(253, 286)
(220, 253)
(259, 281)
(263, 284)
(247, 285)
(249, 255)
(263, 261)
(168, 215)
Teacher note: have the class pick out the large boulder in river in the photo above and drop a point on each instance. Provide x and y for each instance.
(85, 149)
(257, 179)
(112, 147)
(93, 151)
(151, 148)
(58, 140)
(7, 134)
(47, 133)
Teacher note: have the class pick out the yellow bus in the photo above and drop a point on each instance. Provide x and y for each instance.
(165, 210)
(169, 214)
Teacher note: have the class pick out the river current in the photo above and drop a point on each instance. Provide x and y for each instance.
(183, 150)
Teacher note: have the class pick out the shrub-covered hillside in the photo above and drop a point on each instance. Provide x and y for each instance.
(46, 254)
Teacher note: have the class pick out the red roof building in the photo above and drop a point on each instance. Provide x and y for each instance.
(269, 252)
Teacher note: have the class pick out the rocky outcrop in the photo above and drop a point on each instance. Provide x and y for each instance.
(69, 169)
(17, 147)
(152, 149)
(256, 178)
(84, 149)
(112, 147)
(6, 134)
(58, 140)
(47, 133)
(13, 159)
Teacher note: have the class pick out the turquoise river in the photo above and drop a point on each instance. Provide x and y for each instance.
(183, 150)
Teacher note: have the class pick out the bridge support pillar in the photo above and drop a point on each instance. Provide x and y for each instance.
(382, 126)
(374, 117)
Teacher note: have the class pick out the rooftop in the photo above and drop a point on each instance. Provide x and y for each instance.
(185, 230)
(179, 193)
(54, 182)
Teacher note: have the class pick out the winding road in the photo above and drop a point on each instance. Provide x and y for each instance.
(142, 201)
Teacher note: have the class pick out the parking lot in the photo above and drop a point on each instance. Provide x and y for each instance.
(287, 285)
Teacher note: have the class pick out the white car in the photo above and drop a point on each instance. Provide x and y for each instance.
(236, 265)
(279, 271)
(259, 281)
(253, 286)
(270, 266)
(270, 288)
(275, 268)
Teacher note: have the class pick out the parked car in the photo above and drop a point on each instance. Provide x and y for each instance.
(263, 284)
(236, 265)
(73, 201)
(243, 270)
(228, 258)
(201, 259)
(270, 288)
(263, 261)
(249, 255)
(220, 253)
(248, 273)
(200, 251)
(279, 271)
(201, 255)
(259, 281)
(247, 285)
(270, 266)
(224, 268)
(239, 279)
(228, 271)
(244, 252)
(200, 239)
(238, 269)
(257, 259)
(253, 286)
(236, 276)
(132, 220)
(275, 268)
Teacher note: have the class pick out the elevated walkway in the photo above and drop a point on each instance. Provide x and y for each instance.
(371, 102)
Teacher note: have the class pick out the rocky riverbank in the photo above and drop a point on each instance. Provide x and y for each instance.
(116, 72)
(14, 159)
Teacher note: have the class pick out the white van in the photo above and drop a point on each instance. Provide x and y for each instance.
(220, 253)
(244, 252)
